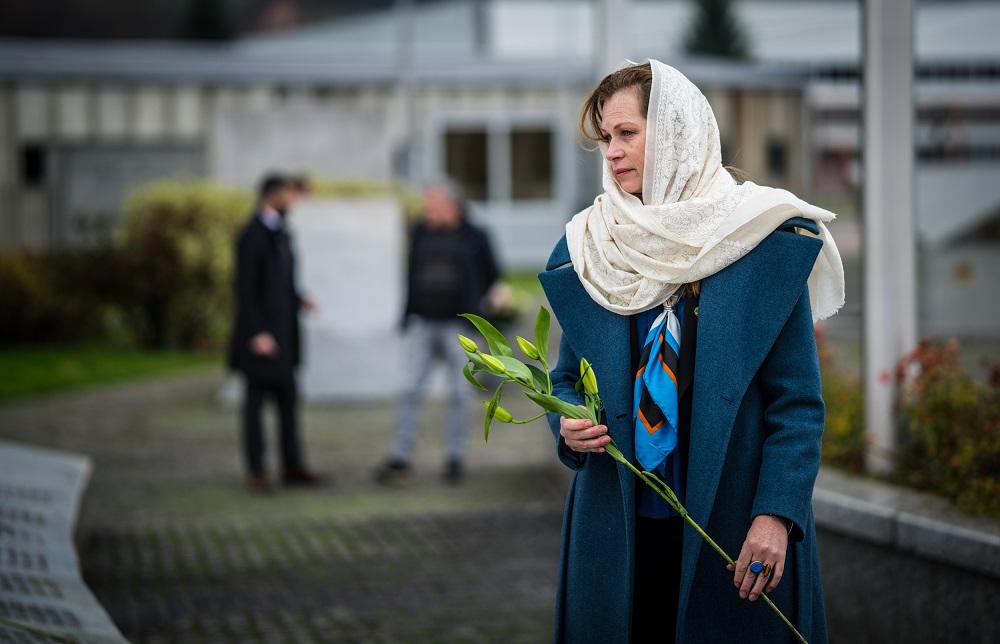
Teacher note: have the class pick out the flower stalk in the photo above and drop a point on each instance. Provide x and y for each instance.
(537, 385)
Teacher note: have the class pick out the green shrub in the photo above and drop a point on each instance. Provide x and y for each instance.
(176, 239)
(844, 441)
(950, 438)
(60, 295)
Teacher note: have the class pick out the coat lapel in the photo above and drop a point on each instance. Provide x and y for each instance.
(741, 312)
(598, 335)
(603, 338)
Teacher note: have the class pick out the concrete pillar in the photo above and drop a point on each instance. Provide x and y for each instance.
(405, 161)
(615, 35)
(890, 328)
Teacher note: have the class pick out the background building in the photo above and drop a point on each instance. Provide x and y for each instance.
(488, 92)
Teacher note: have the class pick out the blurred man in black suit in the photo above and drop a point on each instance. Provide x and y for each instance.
(265, 344)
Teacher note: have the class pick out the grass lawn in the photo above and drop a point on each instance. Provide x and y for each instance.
(523, 280)
(44, 369)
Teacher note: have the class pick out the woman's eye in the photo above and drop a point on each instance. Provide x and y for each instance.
(627, 133)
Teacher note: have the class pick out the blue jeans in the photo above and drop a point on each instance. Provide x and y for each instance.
(425, 341)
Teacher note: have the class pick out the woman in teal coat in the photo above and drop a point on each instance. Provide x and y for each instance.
(693, 297)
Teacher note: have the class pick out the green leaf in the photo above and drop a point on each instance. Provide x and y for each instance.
(497, 343)
(557, 406)
(542, 321)
(491, 410)
(516, 369)
(540, 378)
(467, 372)
(614, 452)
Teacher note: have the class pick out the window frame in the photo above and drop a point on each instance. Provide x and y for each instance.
(499, 125)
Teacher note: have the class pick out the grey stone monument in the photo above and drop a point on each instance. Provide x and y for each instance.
(350, 262)
(41, 590)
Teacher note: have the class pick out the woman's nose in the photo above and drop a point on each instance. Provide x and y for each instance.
(614, 152)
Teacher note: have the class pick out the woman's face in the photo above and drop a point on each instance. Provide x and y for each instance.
(623, 126)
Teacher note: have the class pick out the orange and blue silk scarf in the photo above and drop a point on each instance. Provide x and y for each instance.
(656, 391)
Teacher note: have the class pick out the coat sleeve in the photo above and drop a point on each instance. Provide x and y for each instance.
(793, 422)
(564, 377)
(249, 260)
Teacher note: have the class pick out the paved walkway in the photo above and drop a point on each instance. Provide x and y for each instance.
(177, 551)
(472, 576)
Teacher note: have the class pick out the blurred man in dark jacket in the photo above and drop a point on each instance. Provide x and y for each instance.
(265, 344)
(451, 269)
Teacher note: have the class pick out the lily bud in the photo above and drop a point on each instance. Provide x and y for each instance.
(468, 344)
(500, 415)
(495, 365)
(588, 377)
(527, 348)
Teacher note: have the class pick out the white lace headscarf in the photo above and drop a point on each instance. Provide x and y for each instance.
(693, 219)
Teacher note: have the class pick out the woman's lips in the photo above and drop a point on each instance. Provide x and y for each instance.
(618, 173)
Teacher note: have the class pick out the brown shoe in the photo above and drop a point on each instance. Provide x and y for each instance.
(259, 484)
(303, 477)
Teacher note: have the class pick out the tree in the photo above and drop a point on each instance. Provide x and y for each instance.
(716, 31)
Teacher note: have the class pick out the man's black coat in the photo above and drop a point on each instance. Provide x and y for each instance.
(266, 300)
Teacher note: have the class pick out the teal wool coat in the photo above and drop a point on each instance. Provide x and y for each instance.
(756, 428)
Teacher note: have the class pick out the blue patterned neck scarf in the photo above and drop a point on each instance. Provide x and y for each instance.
(656, 392)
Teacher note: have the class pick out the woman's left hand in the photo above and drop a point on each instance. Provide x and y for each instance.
(766, 542)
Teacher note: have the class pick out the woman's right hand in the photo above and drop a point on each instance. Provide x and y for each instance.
(581, 435)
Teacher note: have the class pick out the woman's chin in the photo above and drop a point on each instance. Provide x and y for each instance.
(630, 185)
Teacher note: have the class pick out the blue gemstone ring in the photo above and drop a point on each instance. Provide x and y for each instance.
(757, 567)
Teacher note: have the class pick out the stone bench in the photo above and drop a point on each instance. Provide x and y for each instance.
(42, 596)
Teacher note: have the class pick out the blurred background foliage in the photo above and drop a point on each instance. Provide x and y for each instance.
(949, 424)
(176, 243)
(844, 437)
(950, 428)
(164, 282)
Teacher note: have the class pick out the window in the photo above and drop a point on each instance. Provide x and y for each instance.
(501, 161)
(33, 165)
(465, 156)
(531, 164)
